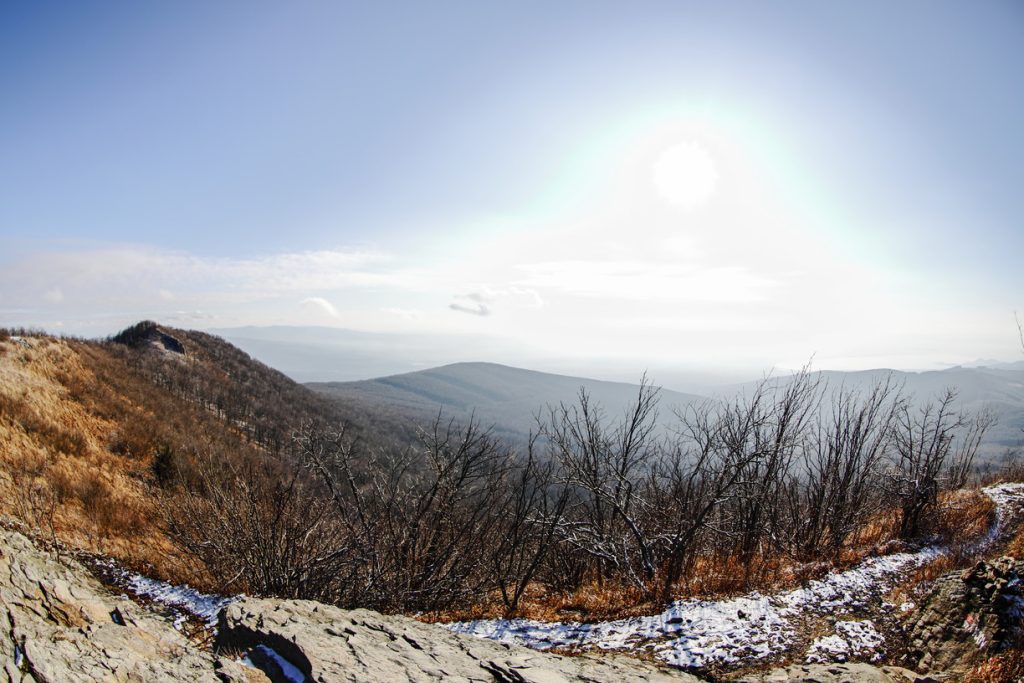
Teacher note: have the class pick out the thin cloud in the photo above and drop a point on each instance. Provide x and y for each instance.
(479, 309)
(321, 304)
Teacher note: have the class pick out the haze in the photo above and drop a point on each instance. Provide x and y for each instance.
(574, 186)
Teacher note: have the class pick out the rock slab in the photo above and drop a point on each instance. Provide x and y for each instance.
(967, 616)
(59, 624)
(329, 644)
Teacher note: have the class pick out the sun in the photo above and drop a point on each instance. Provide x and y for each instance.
(685, 175)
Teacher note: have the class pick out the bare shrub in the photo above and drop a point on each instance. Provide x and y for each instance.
(934, 448)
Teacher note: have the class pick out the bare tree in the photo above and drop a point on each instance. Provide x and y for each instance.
(925, 446)
(766, 433)
(259, 528)
(841, 469)
(604, 467)
(699, 475)
(531, 513)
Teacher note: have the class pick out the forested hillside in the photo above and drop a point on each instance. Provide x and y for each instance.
(174, 448)
(508, 399)
(94, 433)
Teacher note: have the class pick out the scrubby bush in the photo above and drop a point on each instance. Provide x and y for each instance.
(789, 475)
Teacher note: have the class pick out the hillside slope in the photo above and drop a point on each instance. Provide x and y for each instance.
(999, 390)
(92, 433)
(508, 398)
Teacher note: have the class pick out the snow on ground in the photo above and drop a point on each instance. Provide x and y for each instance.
(851, 638)
(291, 672)
(184, 599)
(695, 633)
(1009, 501)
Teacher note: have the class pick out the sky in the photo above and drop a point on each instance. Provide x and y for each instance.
(647, 185)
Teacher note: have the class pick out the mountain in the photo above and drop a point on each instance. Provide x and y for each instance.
(330, 354)
(508, 398)
(997, 389)
(95, 434)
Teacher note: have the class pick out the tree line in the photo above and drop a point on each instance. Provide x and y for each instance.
(794, 469)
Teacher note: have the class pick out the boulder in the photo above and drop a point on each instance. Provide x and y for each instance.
(837, 673)
(59, 624)
(331, 644)
(967, 616)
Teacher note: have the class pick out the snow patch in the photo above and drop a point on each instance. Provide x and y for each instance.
(185, 599)
(851, 639)
(694, 633)
(291, 672)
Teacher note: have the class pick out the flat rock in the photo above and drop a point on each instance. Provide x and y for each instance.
(59, 624)
(331, 644)
(837, 673)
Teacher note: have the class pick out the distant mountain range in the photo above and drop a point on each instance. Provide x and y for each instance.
(509, 399)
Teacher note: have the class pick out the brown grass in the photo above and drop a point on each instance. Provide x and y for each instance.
(592, 602)
(965, 517)
(1007, 667)
(57, 475)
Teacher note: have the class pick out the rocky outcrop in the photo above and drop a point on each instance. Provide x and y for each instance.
(967, 615)
(330, 644)
(837, 673)
(59, 624)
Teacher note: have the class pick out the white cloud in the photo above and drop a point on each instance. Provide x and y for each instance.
(483, 300)
(321, 304)
(474, 308)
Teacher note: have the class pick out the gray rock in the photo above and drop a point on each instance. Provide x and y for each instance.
(330, 644)
(837, 673)
(967, 616)
(58, 623)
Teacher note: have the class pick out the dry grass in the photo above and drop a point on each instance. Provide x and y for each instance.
(1007, 667)
(592, 602)
(965, 517)
(57, 475)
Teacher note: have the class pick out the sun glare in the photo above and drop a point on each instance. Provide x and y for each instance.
(685, 175)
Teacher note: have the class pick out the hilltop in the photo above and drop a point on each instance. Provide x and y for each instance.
(93, 434)
(510, 399)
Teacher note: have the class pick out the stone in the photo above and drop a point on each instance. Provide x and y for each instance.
(837, 673)
(967, 616)
(331, 644)
(59, 624)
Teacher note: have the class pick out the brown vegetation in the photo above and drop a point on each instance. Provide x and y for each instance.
(1006, 667)
(174, 451)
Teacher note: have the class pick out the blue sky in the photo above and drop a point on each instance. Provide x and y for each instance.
(491, 169)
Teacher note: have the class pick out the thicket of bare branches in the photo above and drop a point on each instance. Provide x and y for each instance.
(794, 469)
